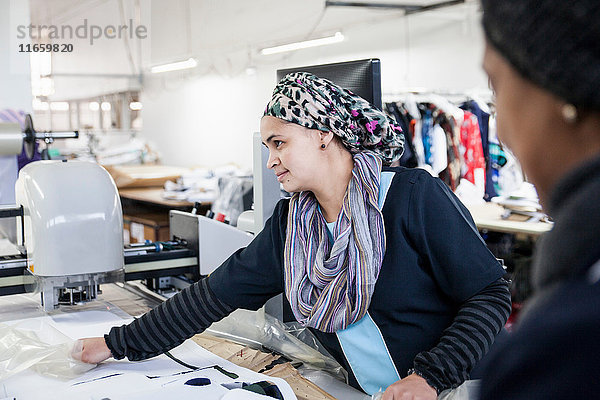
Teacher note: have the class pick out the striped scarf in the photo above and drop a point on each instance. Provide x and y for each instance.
(329, 286)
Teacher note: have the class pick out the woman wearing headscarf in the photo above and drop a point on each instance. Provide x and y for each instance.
(543, 60)
(384, 265)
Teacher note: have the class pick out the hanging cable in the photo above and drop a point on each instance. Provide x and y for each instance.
(126, 40)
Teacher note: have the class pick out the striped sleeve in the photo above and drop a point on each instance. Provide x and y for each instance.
(166, 326)
(467, 339)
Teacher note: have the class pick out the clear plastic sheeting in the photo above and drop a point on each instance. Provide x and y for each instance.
(20, 306)
(469, 390)
(27, 305)
(230, 201)
(332, 385)
(22, 348)
(256, 328)
(29, 339)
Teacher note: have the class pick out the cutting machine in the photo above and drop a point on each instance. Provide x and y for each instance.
(70, 237)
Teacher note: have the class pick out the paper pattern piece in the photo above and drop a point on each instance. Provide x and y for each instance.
(156, 378)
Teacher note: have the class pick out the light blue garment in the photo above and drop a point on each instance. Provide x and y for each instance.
(368, 356)
(384, 186)
(330, 227)
(362, 342)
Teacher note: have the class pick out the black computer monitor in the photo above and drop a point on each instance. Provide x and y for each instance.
(362, 77)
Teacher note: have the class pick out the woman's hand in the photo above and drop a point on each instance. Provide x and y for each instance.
(91, 350)
(413, 387)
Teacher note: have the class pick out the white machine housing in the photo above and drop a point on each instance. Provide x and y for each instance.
(213, 241)
(73, 229)
(72, 216)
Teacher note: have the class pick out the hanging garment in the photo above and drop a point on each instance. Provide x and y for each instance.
(427, 134)
(472, 149)
(403, 118)
(415, 126)
(507, 174)
(439, 151)
(483, 121)
(450, 175)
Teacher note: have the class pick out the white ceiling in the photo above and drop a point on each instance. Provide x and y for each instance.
(217, 26)
(225, 36)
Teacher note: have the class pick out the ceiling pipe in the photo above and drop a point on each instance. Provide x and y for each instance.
(407, 8)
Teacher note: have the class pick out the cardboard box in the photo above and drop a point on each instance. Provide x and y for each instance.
(135, 176)
(142, 227)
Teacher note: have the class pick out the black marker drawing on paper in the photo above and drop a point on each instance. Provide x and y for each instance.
(97, 379)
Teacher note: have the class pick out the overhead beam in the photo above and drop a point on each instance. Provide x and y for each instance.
(407, 8)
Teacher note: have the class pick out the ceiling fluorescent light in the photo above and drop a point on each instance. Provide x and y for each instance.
(59, 106)
(189, 63)
(338, 37)
(39, 105)
(135, 106)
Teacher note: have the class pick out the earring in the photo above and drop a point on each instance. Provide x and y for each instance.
(323, 146)
(569, 113)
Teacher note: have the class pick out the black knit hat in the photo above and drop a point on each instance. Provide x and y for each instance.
(553, 43)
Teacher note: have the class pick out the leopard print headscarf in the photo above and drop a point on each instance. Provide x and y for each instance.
(315, 103)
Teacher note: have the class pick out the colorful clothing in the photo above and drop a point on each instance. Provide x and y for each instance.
(401, 115)
(427, 136)
(472, 150)
(483, 126)
(451, 175)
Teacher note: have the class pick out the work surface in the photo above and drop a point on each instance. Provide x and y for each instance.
(87, 320)
(127, 300)
(156, 378)
(153, 195)
(489, 216)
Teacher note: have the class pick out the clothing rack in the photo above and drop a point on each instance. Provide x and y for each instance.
(456, 149)
(480, 95)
